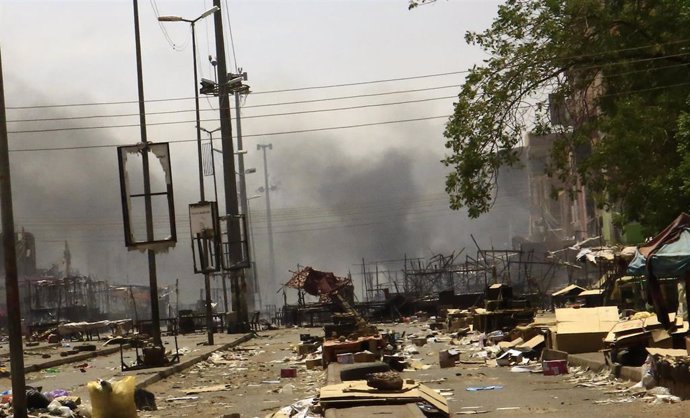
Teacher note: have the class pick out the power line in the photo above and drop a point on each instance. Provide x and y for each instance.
(360, 83)
(361, 125)
(253, 93)
(612, 75)
(432, 75)
(166, 35)
(78, 128)
(292, 113)
(244, 107)
(232, 40)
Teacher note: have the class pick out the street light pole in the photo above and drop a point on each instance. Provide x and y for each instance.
(198, 123)
(269, 226)
(207, 280)
(257, 287)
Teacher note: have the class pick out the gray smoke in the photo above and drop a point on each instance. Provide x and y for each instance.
(335, 202)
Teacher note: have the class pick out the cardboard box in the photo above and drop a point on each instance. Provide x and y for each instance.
(531, 345)
(554, 367)
(583, 330)
(306, 348)
(314, 363)
(447, 358)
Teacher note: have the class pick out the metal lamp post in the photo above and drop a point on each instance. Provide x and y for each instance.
(207, 283)
(271, 253)
(196, 81)
(257, 288)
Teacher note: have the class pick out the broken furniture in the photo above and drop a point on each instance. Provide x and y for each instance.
(331, 348)
(150, 355)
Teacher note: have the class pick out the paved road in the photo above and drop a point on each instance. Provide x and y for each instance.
(74, 379)
(525, 394)
(252, 385)
(252, 376)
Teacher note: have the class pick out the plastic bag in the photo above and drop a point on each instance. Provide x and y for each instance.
(113, 399)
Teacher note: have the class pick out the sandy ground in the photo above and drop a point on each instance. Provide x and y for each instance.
(251, 374)
(246, 380)
(254, 388)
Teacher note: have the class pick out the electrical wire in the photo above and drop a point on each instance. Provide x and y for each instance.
(246, 117)
(286, 113)
(299, 112)
(166, 35)
(350, 84)
(232, 40)
(361, 125)
(253, 93)
(357, 96)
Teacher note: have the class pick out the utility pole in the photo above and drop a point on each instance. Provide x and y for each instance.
(271, 254)
(237, 284)
(153, 280)
(215, 194)
(243, 183)
(14, 322)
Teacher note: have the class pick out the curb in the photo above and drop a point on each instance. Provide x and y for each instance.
(71, 359)
(160, 375)
(633, 374)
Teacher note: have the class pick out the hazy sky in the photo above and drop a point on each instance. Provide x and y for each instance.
(340, 195)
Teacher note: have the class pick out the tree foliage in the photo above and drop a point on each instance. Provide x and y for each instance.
(619, 67)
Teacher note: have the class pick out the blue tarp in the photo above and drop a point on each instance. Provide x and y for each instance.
(671, 260)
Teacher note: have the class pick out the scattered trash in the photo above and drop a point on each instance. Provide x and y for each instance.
(144, 400)
(555, 367)
(206, 389)
(410, 349)
(182, 398)
(478, 388)
(56, 408)
(305, 408)
(57, 393)
(447, 358)
(288, 373)
(36, 400)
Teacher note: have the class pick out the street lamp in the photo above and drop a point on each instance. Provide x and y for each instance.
(207, 283)
(257, 288)
(196, 90)
(271, 253)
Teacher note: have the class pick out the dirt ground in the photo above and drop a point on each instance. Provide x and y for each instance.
(251, 375)
(251, 385)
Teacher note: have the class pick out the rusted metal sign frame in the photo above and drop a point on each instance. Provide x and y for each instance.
(161, 150)
(206, 240)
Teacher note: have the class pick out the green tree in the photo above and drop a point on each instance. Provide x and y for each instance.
(619, 67)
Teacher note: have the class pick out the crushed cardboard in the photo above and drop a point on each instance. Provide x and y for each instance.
(356, 392)
(583, 330)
